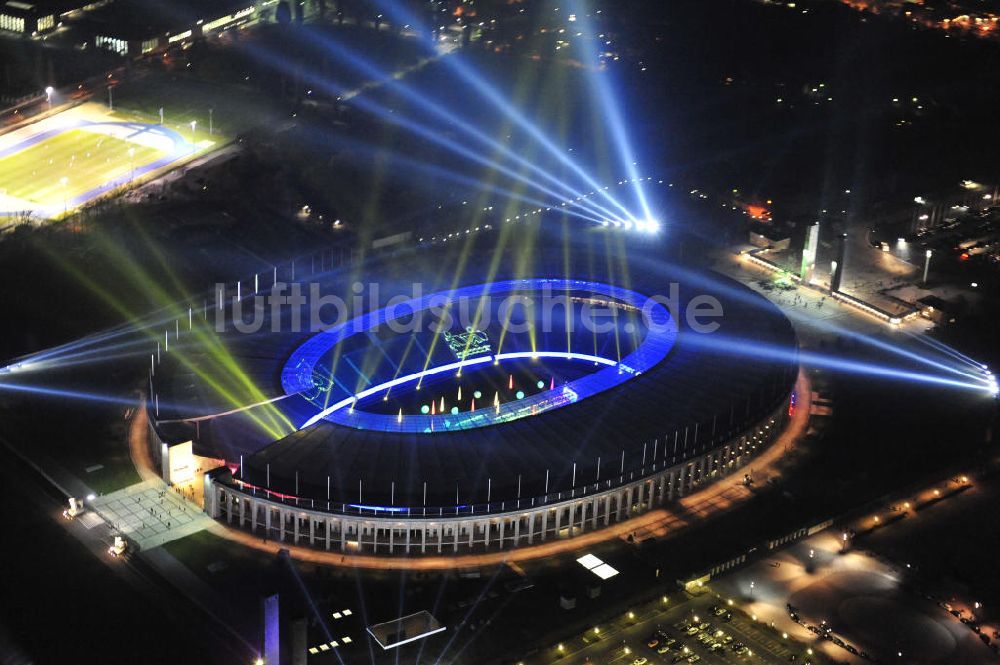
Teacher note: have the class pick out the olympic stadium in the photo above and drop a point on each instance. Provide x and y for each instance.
(527, 399)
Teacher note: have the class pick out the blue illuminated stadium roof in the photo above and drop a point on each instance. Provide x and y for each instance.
(299, 370)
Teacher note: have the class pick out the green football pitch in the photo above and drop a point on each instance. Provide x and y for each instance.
(70, 164)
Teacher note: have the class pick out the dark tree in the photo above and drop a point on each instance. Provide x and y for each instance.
(283, 14)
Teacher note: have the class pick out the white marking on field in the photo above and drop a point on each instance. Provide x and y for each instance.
(148, 139)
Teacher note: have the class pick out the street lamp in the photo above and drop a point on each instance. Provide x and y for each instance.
(210, 125)
(751, 588)
(48, 95)
(927, 264)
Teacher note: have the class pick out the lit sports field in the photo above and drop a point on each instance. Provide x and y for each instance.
(62, 162)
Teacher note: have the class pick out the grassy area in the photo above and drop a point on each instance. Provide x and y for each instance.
(228, 108)
(116, 472)
(86, 439)
(70, 164)
(217, 560)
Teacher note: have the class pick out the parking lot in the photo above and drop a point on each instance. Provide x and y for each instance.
(703, 629)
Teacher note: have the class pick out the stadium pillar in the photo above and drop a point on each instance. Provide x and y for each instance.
(295, 530)
(502, 525)
(593, 513)
(312, 531)
(607, 509)
(531, 528)
(517, 531)
(558, 518)
(545, 520)
(329, 526)
(242, 510)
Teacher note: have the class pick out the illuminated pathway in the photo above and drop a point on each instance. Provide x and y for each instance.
(714, 499)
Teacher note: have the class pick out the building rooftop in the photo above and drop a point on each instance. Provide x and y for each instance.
(142, 19)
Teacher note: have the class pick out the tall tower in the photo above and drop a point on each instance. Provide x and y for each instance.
(809, 253)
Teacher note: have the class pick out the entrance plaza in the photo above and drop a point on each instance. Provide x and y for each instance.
(150, 513)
